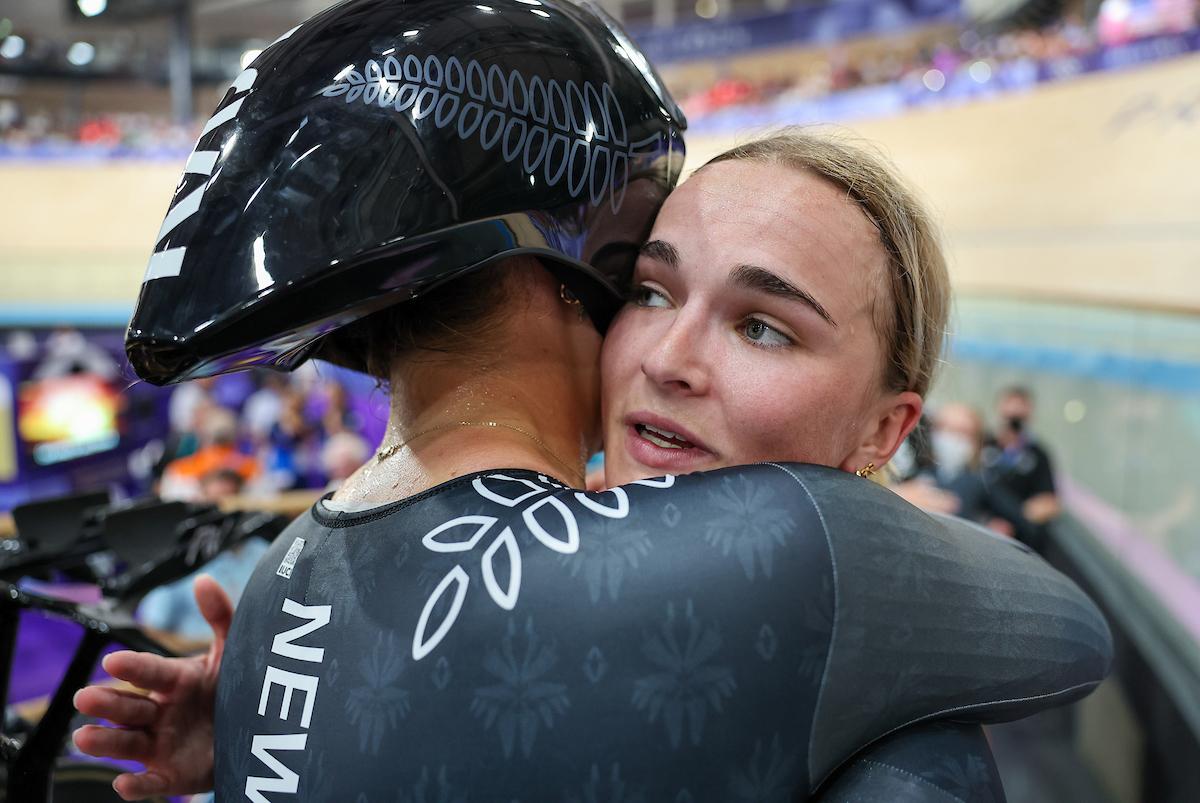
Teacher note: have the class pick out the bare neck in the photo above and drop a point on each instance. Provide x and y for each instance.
(452, 416)
(517, 414)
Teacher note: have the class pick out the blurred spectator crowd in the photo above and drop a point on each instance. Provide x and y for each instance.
(932, 65)
(1003, 479)
(262, 436)
(22, 128)
(252, 434)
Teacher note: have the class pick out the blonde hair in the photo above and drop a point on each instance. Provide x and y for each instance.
(912, 328)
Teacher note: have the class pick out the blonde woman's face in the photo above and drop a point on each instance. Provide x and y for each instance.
(750, 335)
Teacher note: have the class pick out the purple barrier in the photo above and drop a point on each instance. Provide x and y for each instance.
(60, 151)
(814, 24)
(46, 643)
(1176, 591)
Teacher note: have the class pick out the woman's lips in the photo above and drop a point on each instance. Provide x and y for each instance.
(663, 438)
(661, 444)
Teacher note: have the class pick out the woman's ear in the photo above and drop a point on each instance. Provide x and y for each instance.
(892, 419)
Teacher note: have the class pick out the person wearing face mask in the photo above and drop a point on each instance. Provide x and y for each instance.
(956, 439)
(1014, 460)
(458, 618)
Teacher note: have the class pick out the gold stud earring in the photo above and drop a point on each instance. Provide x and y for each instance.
(568, 297)
(866, 471)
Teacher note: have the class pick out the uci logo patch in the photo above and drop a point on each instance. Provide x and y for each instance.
(289, 560)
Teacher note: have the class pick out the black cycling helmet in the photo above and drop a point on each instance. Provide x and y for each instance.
(382, 148)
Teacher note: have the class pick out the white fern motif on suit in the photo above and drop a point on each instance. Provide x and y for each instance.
(564, 130)
(548, 519)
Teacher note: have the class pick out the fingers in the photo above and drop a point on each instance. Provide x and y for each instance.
(104, 742)
(214, 604)
(144, 670)
(142, 785)
(119, 706)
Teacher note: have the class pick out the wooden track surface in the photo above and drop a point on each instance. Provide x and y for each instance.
(1083, 190)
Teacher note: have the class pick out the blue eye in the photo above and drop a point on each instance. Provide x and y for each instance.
(645, 296)
(762, 334)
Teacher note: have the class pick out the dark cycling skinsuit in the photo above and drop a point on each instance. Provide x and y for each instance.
(728, 636)
(933, 762)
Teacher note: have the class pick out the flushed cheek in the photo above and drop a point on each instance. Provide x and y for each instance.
(617, 369)
(620, 347)
(775, 417)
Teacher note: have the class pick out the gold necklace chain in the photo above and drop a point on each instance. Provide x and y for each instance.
(384, 454)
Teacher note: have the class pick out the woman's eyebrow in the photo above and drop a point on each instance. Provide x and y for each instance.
(661, 251)
(762, 280)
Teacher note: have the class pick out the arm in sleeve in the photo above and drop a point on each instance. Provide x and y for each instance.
(1043, 474)
(938, 618)
(1002, 503)
(939, 762)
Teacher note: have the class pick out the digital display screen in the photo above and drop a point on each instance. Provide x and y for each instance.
(67, 417)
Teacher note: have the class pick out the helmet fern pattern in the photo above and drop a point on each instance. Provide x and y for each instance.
(564, 131)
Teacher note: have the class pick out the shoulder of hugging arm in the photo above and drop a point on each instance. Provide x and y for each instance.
(939, 618)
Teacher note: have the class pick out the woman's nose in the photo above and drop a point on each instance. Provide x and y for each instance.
(676, 362)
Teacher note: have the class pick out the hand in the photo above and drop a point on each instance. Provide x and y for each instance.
(928, 497)
(1002, 526)
(170, 730)
(1041, 508)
